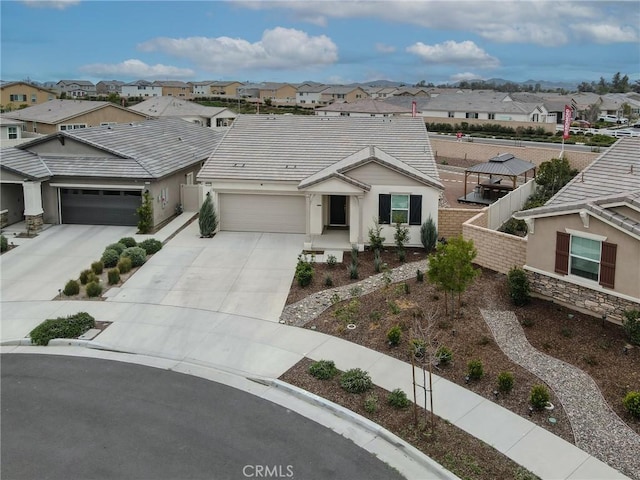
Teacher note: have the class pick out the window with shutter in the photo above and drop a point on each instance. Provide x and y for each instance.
(562, 252)
(608, 264)
(401, 208)
(587, 258)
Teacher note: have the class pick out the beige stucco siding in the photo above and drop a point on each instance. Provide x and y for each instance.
(542, 243)
(165, 207)
(41, 95)
(70, 147)
(108, 114)
(375, 174)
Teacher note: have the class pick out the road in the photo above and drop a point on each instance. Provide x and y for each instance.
(74, 417)
(517, 143)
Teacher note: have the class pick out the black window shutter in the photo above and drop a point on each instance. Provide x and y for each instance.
(608, 264)
(415, 210)
(384, 208)
(562, 252)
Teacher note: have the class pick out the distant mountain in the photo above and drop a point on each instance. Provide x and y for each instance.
(544, 84)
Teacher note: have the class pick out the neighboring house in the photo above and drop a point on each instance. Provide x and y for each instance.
(60, 115)
(310, 175)
(341, 93)
(10, 132)
(98, 175)
(310, 94)
(229, 89)
(363, 108)
(381, 92)
(583, 245)
(211, 117)
(108, 87)
(412, 92)
(76, 88)
(277, 92)
(141, 88)
(201, 89)
(172, 88)
(14, 95)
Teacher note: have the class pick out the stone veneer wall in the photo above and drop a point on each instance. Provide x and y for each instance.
(34, 223)
(450, 220)
(584, 299)
(4, 218)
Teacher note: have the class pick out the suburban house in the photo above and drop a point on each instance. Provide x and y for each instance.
(277, 92)
(10, 132)
(310, 94)
(108, 87)
(61, 115)
(76, 88)
(98, 175)
(229, 89)
(583, 245)
(211, 117)
(381, 92)
(14, 95)
(367, 107)
(173, 88)
(340, 93)
(141, 88)
(315, 175)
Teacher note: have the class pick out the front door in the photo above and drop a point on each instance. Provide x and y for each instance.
(338, 210)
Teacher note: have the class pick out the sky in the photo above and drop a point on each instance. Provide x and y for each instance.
(326, 41)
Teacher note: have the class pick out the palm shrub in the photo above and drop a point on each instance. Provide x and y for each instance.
(113, 276)
(71, 288)
(475, 370)
(631, 325)
(94, 289)
(323, 369)
(128, 242)
(208, 219)
(118, 247)
(145, 214)
(398, 399)
(110, 258)
(124, 265)
(428, 234)
(519, 289)
(4, 243)
(151, 245)
(539, 396)
(394, 334)
(304, 271)
(505, 381)
(631, 402)
(97, 267)
(137, 255)
(356, 380)
(444, 355)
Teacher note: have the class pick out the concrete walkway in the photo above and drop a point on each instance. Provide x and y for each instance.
(193, 339)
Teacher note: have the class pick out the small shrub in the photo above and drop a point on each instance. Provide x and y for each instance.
(128, 242)
(137, 255)
(376, 240)
(631, 325)
(528, 322)
(328, 281)
(4, 243)
(484, 340)
(71, 288)
(393, 335)
(97, 267)
(347, 313)
(377, 261)
(151, 245)
(110, 258)
(419, 347)
(335, 298)
(118, 247)
(304, 271)
(402, 255)
(356, 380)
(124, 265)
(356, 291)
(419, 276)
(631, 402)
(332, 261)
(505, 382)
(393, 306)
(444, 355)
(519, 289)
(371, 403)
(87, 276)
(428, 234)
(406, 289)
(475, 369)
(113, 276)
(375, 316)
(62, 327)
(354, 255)
(353, 271)
(94, 289)
(539, 396)
(566, 332)
(323, 369)
(590, 360)
(398, 399)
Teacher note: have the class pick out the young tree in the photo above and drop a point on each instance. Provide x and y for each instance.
(428, 234)
(553, 175)
(451, 267)
(145, 214)
(208, 220)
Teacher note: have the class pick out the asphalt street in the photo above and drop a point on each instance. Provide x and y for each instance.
(83, 418)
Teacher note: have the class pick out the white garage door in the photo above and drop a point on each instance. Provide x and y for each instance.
(262, 213)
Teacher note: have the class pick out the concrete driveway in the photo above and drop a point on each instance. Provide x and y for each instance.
(239, 273)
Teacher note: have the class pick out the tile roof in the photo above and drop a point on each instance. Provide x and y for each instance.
(24, 163)
(166, 106)
(367, 105)
(292, 148)
(56, 111)
(103, 167)
(503, 164)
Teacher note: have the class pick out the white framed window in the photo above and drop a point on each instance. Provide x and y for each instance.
(471, 115)
(450, 114)
(73, 126)
(491, 116)
(584, 257)
(13, 133)
(34, 98)
(400, 208)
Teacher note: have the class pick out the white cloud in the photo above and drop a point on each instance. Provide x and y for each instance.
(56, 4)
(605, 33)
(454, 53)
(382, 48)
(279, 48)
(138, 69)
(458, 77)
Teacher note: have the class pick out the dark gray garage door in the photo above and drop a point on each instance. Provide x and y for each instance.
(100, 207)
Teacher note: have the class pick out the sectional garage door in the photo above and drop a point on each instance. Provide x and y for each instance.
(262, 213)
(100, 207)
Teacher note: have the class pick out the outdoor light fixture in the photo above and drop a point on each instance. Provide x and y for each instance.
(466, 379)
(530, 411)
(60, 292)
(625, 349)
(495, 392)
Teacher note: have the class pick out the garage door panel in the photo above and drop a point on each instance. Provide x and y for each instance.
(100, 207)
(262, 213)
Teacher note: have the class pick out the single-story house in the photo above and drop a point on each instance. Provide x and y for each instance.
(211, 117)
(583, 245)
(98, 175)
(64, 115)
(311, 175)
(367, 107)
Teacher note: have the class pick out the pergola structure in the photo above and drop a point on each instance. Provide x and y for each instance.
(503, 165)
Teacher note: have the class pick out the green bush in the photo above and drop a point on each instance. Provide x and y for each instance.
(353, 271)
(118, 247)
(331, 261)
(124, 265)
(398, 399)
(87, 276)
(419, 347)
(519, 289)
(128, 242)
(328, 281)
(631, 325)
(137, 255)
(145, 214)
(475, 370)
(304, 271)
(514, 226)
(376, 240)
(323, 369)
(419, 276)
(444, 355)
(97, 267)
(505, 381)
(4, 243)
(71, 288)
(428, 234)
(113, 276)
(371, 403)
(110, 258)
(539, 396)
(631, 402)
(62, 327)
(151, 245)
(356, 380)
(394, 334)
(94, 289)
(377, 261)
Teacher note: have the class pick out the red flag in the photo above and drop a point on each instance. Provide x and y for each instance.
(413, 108)
(567, 121)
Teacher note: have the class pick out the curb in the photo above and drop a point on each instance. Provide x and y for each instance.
(345, 414)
